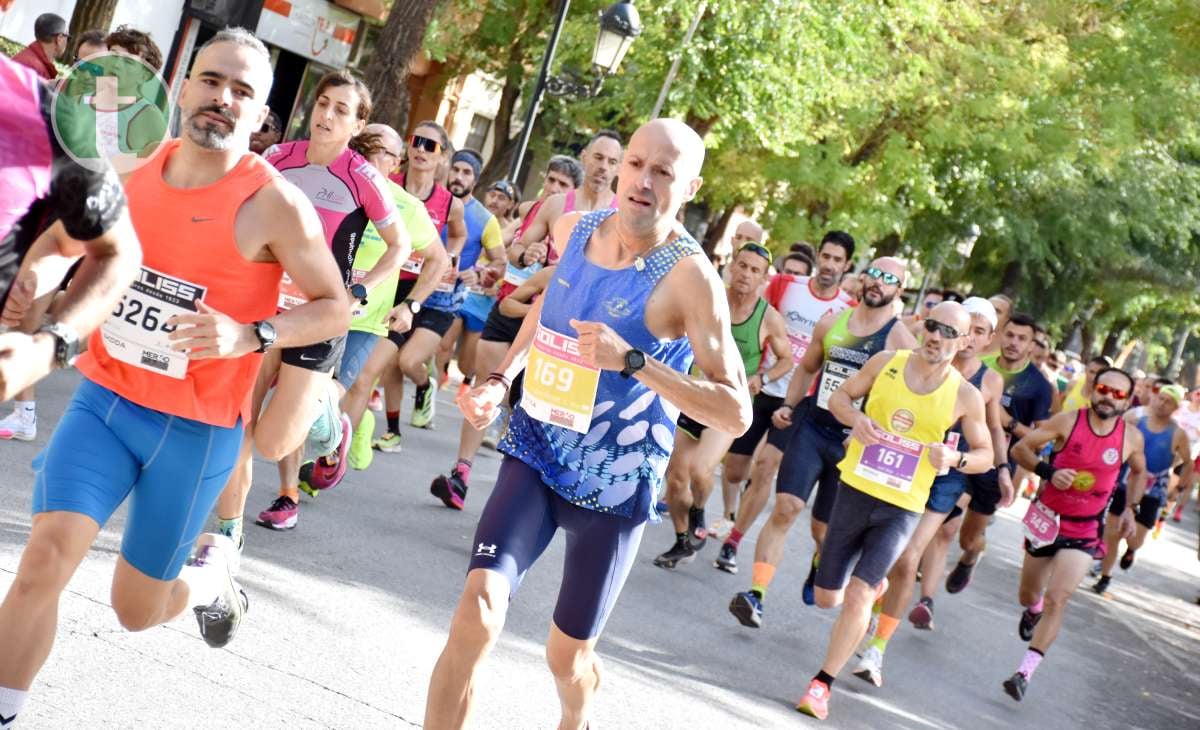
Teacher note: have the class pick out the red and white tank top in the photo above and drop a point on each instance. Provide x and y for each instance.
(795, 298)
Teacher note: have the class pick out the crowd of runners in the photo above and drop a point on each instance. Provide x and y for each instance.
(237, 294)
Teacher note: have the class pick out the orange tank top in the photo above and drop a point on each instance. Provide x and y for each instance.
(188, 254)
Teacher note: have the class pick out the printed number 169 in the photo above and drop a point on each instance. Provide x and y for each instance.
(554, 376)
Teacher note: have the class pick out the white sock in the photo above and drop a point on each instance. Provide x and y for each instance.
(27, 408)
(11, 702)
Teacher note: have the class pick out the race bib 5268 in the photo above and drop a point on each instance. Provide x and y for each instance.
(137, 332)
(560, 388)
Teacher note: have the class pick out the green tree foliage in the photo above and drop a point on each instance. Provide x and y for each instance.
(1066, 130)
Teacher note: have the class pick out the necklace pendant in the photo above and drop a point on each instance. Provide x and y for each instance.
(639, 263)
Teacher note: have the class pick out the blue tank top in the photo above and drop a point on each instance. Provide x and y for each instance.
(618, 465)
(977, 381)
(1159, 457)
(476, 216)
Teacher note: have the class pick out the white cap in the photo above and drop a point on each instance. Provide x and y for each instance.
(982, 307)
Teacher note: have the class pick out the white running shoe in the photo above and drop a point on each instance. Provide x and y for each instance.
(17, 425)
(870, 667)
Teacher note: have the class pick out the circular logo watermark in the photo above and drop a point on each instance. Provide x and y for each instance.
(111, 109)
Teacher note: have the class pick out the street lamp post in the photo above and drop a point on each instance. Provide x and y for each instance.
(619, 25)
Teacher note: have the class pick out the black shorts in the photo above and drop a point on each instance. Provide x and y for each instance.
(499, 328)
(985, 492)
(1093, 546)
(865, 538)
(811, 460)
(1147, 511)
(434, 320)
(764, 406)
(322, 357)
(690, 426)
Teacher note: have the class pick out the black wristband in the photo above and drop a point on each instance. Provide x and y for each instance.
(500, 378)
(521, 260)
(1044, 470)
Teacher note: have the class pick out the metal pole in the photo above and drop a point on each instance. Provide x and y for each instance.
(538, 89)
(687, 41)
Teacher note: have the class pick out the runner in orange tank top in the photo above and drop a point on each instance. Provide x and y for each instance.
(167, 380)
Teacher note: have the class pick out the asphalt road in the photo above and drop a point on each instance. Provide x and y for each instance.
(349, 612)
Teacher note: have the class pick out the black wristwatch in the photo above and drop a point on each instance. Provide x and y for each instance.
(962, 461)
(66, 343)
(413, 305)
(359, 292)
(635, 360)
(265, 332)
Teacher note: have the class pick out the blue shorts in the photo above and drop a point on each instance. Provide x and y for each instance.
(520, 518)
(359, 346)
(475, 311)
(106, 449)
(946, 490)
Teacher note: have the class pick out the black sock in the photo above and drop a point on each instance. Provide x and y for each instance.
(467, 379)
(393, 422)
(696, 517)
(757, 593)
(823, 676)
(680, 538)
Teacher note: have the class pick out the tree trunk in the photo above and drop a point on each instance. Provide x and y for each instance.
(503, 145)
(889, 245)
(90, 15)
(1181, 338)
(717, 229)
(1012, 277)
(387, 74)
(1087, 341)
(1112, 343)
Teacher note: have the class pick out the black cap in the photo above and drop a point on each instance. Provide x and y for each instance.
(49, 25)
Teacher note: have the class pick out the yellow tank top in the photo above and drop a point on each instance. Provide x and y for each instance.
(898, 471)
(1074, 399)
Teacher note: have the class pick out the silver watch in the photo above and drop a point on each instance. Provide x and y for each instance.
(66, 343)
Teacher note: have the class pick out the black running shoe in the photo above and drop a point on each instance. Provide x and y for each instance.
(680, 553)
(452, 490)
(1015, 686)
(726, 559)
(960, 577)
(747, 609)
(1101, 585)
(1029, 622)
(1127, 560)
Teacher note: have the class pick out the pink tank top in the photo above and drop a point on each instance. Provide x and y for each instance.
(437, 205)
(569, 203)
(1097, 459)
(25, 153)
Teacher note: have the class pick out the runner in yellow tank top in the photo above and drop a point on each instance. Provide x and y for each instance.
(895, 451)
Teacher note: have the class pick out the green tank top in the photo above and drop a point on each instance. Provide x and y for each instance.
(745, 334)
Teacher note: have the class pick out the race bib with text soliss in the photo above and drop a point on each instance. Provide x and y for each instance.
(892, 463)
(136, 333)
(560, 388)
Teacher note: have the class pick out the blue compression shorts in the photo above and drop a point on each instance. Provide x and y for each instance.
(172, 469)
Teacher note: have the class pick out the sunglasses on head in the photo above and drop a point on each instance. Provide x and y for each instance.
(945, 330)
(757, 248)
(1116, 393)
(886, 277)
(417, 142)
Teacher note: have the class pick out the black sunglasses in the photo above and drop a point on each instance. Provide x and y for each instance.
(266, 128)
(757, 248)
(886, 277)
(418, 142)
(945, 330)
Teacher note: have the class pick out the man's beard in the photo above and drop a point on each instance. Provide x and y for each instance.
(458, 191)
(883, 299)
(211, 138)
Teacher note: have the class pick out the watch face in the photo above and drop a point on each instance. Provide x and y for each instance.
(358, 291)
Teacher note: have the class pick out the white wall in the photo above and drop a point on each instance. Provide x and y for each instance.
(159, 18)
(17, 23)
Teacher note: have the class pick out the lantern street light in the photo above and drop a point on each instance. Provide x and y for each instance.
(619, 26)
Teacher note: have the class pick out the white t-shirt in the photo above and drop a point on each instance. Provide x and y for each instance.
(794, 298)
(1189, 420)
